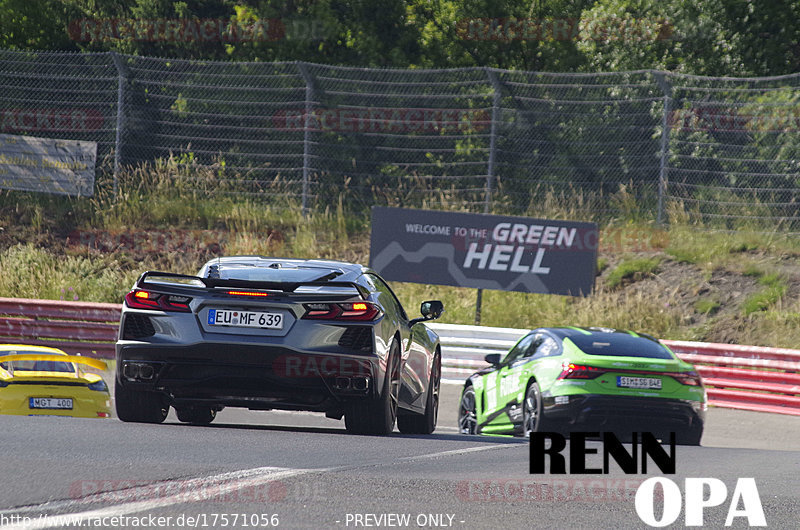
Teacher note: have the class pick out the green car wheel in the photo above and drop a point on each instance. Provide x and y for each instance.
(532, 410)
(467, 423)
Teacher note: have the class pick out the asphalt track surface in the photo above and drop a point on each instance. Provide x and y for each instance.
(304, 468)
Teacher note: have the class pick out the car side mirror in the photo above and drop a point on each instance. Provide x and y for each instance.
(493, 358)
(431, 309)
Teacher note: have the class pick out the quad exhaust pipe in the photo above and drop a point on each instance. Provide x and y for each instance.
(355, 384)
(138, 371)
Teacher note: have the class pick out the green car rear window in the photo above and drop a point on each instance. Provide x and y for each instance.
(620, 345)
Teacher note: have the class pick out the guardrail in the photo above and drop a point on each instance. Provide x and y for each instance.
(75, 327)
(741, 377)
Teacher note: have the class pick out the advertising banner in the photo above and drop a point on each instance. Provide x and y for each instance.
(64, 167)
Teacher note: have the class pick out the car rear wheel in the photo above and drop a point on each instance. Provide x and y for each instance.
(139, 406)
(196, 415)
(378, 416)
(690, 436)
(467, 417)
(425, 423)
(532, 419)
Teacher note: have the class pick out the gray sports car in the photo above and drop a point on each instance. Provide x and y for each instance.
(271, 333)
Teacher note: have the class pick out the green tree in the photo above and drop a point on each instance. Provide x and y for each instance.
(362, 32)
(705, 37)
(27, 25)
(514, 34)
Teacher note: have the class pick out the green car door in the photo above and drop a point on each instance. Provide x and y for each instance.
(503, 386)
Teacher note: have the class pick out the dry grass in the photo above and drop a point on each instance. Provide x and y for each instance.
(630, 309)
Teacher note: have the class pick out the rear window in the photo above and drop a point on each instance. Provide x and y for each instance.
(265, 274)
(42, 366)
(35, 366)
(620, 345)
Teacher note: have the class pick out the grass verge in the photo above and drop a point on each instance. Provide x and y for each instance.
(775, 288)
(631, 269)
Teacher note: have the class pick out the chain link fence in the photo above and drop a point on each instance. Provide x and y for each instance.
(647, 145)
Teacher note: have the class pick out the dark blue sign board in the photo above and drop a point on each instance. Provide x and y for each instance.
(484, 251)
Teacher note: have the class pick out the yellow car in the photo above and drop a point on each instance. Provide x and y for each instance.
(36, 380)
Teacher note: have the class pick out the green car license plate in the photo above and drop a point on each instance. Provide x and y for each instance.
(646, 383)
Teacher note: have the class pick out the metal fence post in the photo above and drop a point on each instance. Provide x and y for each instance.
(121, 75)
(487, 203)
(306, 132)
(664, 164)
(497, 90)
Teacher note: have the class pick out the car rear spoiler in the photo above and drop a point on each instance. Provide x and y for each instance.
(185, 280)
(88, 361)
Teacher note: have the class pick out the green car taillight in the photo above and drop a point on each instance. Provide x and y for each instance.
(579, 371)
(687, 378)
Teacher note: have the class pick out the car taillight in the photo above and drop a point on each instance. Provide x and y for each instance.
(322, 311)
(579, 371)
(361, 311)
(142, 300)
(688, 378)
(139, 299)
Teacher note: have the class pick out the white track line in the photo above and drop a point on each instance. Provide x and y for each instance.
(456, 452)
(189, 487)
(219, 485)
(222, 484)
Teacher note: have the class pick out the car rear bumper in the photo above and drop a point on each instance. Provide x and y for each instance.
(86, 403)
(258, 377)
(626, 413)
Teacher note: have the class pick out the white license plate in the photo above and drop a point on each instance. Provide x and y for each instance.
(245, 319)
(648, 383)
(50, 403)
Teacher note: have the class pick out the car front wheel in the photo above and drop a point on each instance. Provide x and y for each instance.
(467, 418)
(425, 423)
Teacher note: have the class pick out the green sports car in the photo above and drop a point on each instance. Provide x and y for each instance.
(585, 379)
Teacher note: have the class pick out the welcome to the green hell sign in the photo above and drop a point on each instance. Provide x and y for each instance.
(484, 251)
